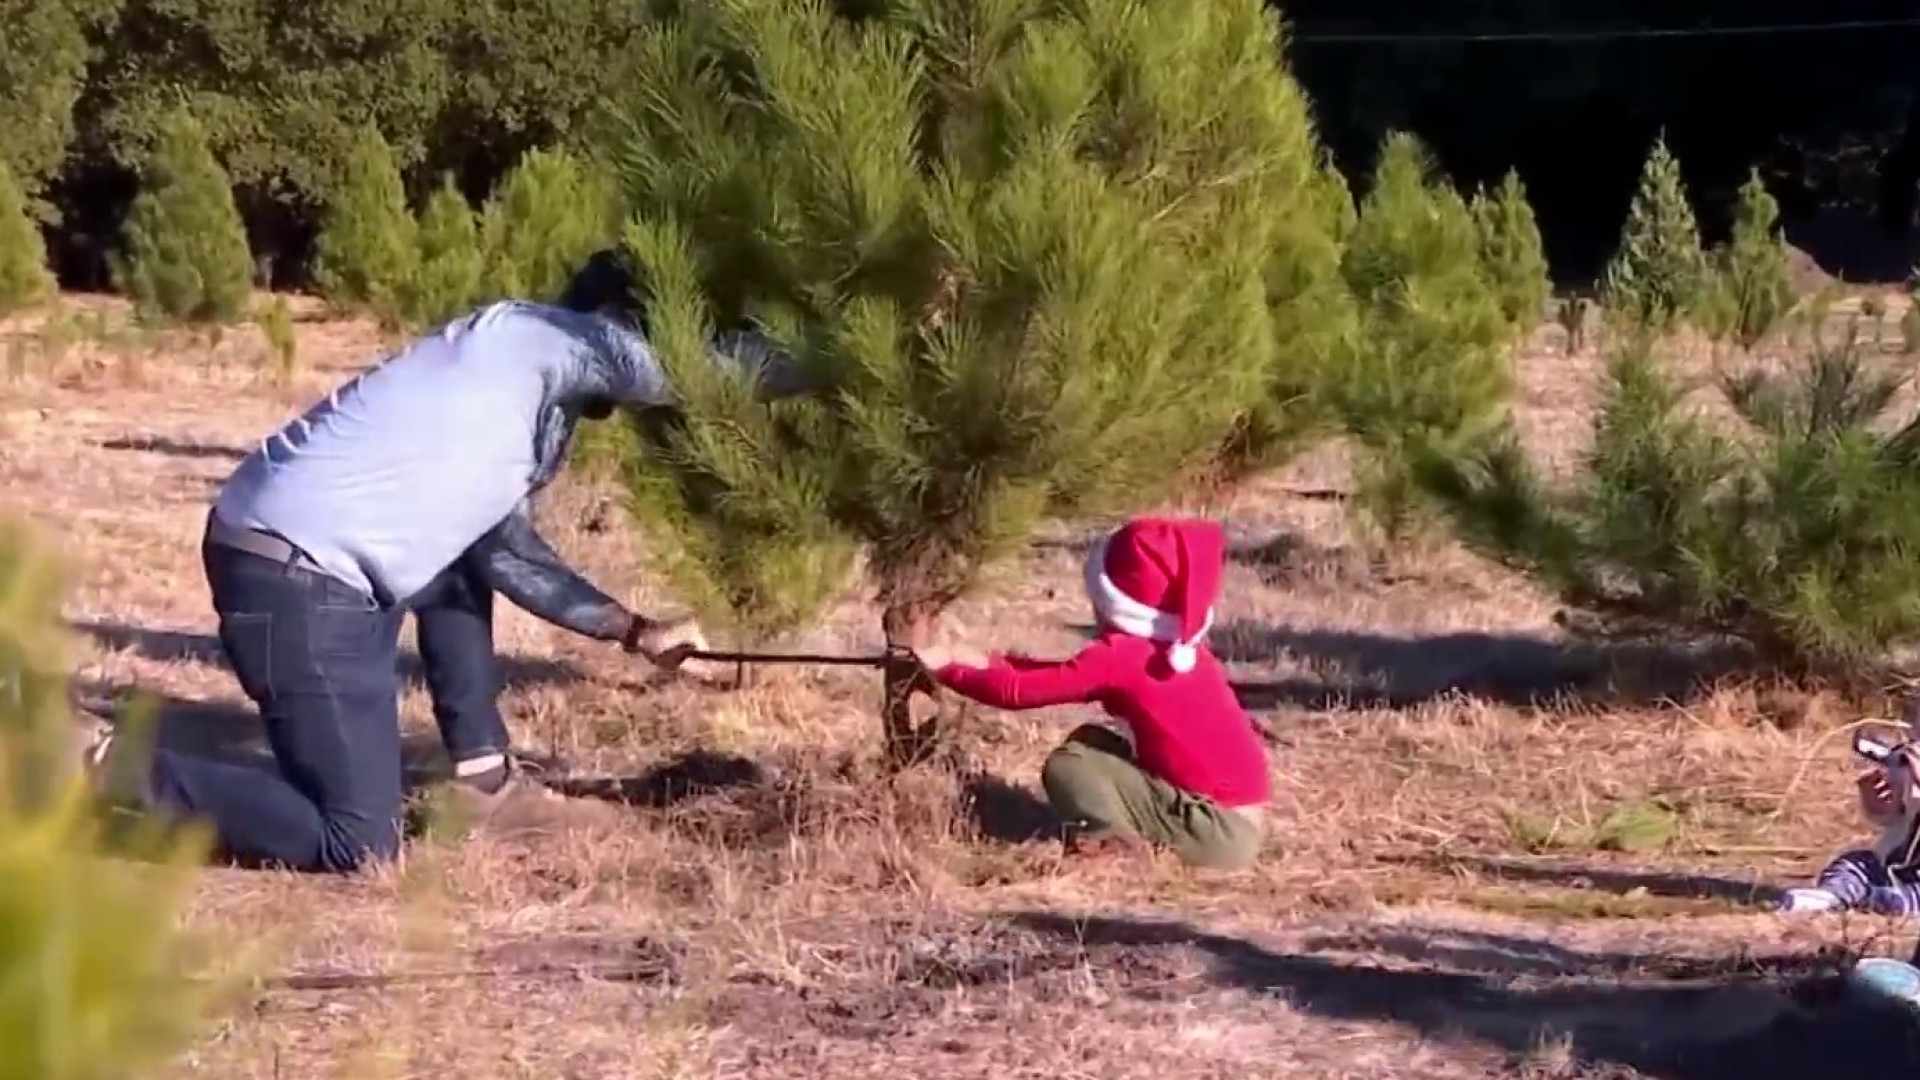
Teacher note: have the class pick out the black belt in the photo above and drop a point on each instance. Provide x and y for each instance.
(255, 542)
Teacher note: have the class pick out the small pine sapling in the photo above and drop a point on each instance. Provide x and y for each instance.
(24, 277)
(1019, 256)
(101, 973)
(1571, 314)
(367, 252)
(283, 345)
(1655, 277)
(1512, 251)
(184, 252)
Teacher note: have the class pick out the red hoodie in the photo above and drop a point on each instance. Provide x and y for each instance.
(1188, 729)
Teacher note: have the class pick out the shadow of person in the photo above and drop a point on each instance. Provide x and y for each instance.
(1699, 1020)
(1620, 880)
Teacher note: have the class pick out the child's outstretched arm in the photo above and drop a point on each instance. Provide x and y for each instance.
(1023, 683)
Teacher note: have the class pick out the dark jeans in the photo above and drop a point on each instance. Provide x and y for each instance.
(320, 660)
(453, 621)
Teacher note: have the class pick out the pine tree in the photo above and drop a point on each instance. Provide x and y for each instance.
(94, 958)
(1314, 318)
(1019, 255)
(24, 278)
(185, 253)
(551, 211)
(367, 251)
(1425, 365)
(1790, 530)
(450, 265)
(1514, 256)
(1753, 269)
(1657, 273)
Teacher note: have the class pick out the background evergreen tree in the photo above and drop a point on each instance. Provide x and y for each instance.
(1314, 323)
(1513, 254)
(1792, 530)
(1658, 272)
(368, 251)
(1752, 270)
(184, 253)
(450, 265)
(1020, 254)
(1425, 363)
(24, 278)
(549, 213)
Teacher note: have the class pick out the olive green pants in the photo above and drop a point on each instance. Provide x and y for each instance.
(1093, 781)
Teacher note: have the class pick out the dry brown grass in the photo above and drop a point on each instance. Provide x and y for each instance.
(1463, 882)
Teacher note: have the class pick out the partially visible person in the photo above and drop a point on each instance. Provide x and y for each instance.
(1184, 767)
(409, 488)
(1883, 877)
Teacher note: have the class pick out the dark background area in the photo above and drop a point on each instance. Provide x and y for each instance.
(1828, 113)
(1570, 93)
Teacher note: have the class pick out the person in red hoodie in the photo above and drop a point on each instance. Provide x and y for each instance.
(1183, 767)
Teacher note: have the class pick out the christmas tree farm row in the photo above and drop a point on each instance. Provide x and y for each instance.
(1100, 262)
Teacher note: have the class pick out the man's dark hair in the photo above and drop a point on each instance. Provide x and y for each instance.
(605, 284)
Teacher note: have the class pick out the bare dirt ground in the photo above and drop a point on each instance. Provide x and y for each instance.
(1496, 852)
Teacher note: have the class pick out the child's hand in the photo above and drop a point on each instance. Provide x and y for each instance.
(1878, 801)
(935, 657)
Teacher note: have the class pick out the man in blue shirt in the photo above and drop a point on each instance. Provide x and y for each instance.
(406, 489)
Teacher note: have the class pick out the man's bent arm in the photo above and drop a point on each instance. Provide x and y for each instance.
(518, 564)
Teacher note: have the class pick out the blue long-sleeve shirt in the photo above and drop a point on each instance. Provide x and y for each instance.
(434, 455)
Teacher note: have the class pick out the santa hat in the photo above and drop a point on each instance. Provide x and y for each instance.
(1157, 578)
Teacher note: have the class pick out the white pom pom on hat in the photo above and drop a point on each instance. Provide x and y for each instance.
(1157, 578)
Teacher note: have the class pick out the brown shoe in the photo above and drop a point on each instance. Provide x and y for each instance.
(521, 803)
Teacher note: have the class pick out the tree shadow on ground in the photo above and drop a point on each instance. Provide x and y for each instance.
(1501, 954)
(1363, 669)
(1693, 1020)
(169, 645)
(689, 776)
(1007, 813)
(1620, 880)
(161, 444)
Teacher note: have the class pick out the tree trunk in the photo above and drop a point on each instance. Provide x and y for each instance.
(910, 741)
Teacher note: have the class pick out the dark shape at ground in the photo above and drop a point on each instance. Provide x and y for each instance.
(1691, 1020)
(1006, 812)
(154, 644)
(691, 775)
(1620, 880)
(1362, 669)
(160, 444)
